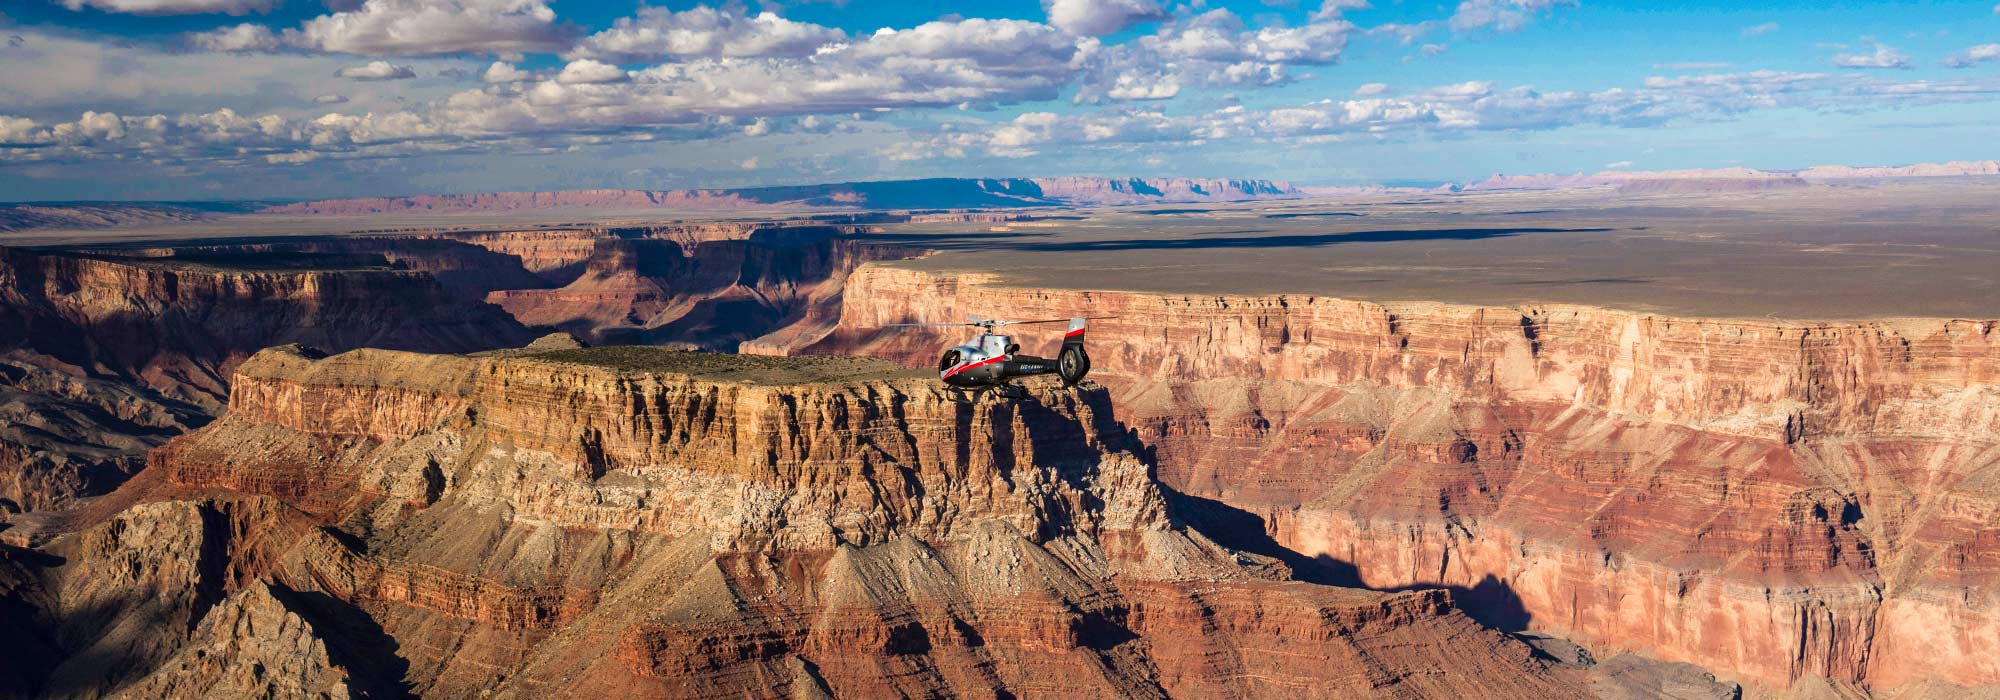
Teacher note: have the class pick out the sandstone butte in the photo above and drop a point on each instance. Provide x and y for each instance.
(635, 523)
(1785, 503)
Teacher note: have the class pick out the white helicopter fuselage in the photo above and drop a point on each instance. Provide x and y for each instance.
(991, 359)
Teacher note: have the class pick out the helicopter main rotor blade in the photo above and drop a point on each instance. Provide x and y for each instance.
(1051, 320)
(984, 323)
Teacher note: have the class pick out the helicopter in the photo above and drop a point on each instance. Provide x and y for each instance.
(993, 361)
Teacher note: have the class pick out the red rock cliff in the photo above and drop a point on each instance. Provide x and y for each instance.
(574, 525)
(1773, 500)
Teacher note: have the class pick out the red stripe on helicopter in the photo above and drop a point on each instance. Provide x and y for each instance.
(975, 365)
(1076, 332)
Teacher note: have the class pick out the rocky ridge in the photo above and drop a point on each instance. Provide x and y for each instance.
(584, 523)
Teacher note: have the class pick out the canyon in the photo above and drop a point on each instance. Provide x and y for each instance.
(1480, 489)
(1779, 500)
(510, 526)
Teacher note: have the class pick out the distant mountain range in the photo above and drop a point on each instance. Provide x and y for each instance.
(956, 193)
(1732, 179)
(934, 193)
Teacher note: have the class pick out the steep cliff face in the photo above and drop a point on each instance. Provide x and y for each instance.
(178, 327)
(704, 289)
(466, 270)
(640, 523)
(104, 357)
(1773, 500)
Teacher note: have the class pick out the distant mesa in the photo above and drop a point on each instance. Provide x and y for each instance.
(934, 193)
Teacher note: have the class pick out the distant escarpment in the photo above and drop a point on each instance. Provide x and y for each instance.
(936, 193)
(1780, 502)
(633, 522)
(1714, 180)
(1721, 180)
(103, 357)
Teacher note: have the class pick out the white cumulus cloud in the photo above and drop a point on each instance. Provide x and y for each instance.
(377, 70)
(504, 72)
(1214, 48)
(1100, 17)
(1881, 57)
(248, 36)
(590, 72)
(1975, 55)
(703, 31)
(429, 27)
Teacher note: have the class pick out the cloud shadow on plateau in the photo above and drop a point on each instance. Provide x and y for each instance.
(1197, 241)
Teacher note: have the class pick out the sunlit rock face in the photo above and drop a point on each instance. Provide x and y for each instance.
(1772, 500)
(622, 523)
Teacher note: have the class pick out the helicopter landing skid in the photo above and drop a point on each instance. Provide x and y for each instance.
(1005, 391)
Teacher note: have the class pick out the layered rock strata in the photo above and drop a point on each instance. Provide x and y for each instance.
(102, 357)
(1775, 501)
(639, 523)
(707, 293)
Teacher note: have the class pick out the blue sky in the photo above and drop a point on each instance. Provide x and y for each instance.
(280, 99)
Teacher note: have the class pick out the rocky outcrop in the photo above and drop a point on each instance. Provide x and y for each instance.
(641, 523)
(1774, 501)
(251, 645)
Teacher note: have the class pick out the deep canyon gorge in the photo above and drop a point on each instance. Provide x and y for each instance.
(334, 456)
